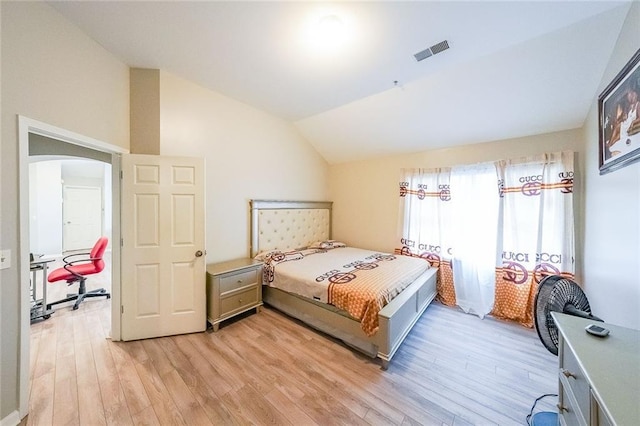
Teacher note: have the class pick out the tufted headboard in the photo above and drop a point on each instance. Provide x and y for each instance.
(288, 225)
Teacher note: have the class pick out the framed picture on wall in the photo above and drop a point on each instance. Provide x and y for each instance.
(619, 118)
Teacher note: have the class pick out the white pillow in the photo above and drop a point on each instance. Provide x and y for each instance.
(278, 255)
(263, 254)
(328, 244)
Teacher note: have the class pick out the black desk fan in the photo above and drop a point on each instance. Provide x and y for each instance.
(555, 294)
(558, 294)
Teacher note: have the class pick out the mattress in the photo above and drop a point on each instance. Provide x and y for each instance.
(360, 282)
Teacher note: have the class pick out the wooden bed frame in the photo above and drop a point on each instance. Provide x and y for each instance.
(289, 225)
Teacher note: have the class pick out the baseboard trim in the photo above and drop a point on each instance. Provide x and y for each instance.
(11, 420)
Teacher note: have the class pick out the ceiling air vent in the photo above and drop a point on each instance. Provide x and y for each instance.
(423, 55)
(436, 48)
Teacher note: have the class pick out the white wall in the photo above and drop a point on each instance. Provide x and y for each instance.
(45, 207)
(612, 216)
(107, 193)
(248, 153)
(8, 411)
(54, 73)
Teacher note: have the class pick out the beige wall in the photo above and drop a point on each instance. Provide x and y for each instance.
(51, 72)
(365, 193)
(4, 412)
(612, 216)
(145, 111)
(249, 154)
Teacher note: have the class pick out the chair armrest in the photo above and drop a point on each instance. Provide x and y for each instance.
(64, 259)
(86, 260)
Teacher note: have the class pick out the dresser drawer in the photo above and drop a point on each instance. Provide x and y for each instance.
(574, 379)
(598, 416)
(569, 415)
(239, 301)
(236, 281)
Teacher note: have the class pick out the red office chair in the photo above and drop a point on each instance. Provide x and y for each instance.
(77, 270)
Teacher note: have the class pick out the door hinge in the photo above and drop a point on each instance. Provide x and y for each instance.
(120, 174)
(121, 242)
(122, 309)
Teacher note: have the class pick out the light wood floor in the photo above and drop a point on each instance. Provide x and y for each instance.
(265, 368)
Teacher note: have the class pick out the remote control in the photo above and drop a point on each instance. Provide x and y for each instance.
(597, 330)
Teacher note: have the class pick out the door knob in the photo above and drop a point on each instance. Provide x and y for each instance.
(199, 253)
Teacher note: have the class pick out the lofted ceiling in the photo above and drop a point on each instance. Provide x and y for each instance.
(514, 68)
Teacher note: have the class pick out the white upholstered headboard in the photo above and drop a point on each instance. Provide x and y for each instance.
(288, 225)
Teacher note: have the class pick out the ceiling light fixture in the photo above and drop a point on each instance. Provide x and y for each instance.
(330, 27)
(328, 34)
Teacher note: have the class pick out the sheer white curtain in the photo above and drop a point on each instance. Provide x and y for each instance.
(494, 230)
(475, 207)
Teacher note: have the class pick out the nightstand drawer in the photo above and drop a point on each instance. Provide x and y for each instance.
(235, 281)
(233, 287)
(239, 301)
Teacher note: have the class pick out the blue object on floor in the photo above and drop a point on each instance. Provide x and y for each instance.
(544, 418)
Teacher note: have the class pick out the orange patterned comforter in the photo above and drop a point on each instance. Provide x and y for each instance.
(361, 282)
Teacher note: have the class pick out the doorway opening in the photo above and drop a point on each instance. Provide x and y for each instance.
(40, 139)
(70, 208)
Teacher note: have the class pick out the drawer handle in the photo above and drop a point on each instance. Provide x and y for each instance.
(239, 281)
(568, 374)
(239, 301)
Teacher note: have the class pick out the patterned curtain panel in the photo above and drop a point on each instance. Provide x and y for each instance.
(424, 223)
(537, 230)
(510, 222)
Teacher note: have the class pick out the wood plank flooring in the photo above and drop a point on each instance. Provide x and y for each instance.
(265, 368)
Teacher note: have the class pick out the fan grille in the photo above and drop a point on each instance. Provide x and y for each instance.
(555, 294)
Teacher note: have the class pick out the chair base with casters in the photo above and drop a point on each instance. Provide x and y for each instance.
(81, 295)
(77, 270)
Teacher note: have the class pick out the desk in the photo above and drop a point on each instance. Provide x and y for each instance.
(599, 378)
(39, 306)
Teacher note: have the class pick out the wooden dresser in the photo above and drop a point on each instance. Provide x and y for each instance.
(233, 287)
(599, 377)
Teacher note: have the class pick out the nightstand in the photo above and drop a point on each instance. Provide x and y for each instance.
(233, 287)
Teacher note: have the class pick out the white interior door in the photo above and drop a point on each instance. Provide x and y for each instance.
(163, 235)
(81, 216)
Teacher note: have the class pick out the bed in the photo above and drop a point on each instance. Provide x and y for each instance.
(291, 225)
